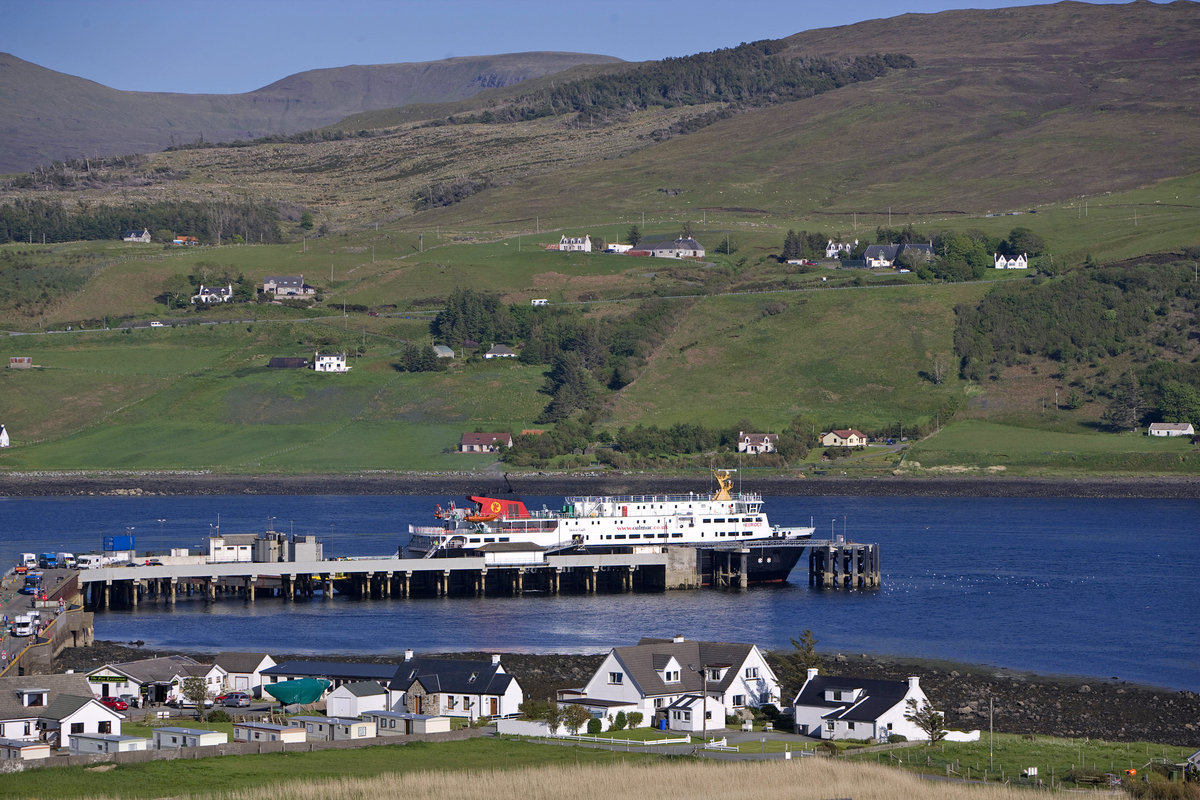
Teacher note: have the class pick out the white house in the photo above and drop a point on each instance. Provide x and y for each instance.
(1168, 429)
(618, 248)
(397, 723)
(333, 729)
(847, 438)
(757, 442)
(330, 362)
(3, 436)
(833, 249)
(454, 688)
(154, 680)
(266, 732)
(1013, 262)
(243, 671)
(137, 236)
(654, 674)
(25, 698)
(881, 255)
(856, 708)
(171, 738)
(355, 699)
(695, 713)
(484, 442)
(71, 716)
(500, 351)
(214, 294)
(575, 243)
(680, 248)
(92, 743)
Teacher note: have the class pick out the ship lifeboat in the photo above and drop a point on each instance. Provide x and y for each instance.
(482, 517)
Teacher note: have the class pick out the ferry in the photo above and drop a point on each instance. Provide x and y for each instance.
(719, 521)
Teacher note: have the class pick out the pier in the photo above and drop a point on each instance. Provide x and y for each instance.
(838, 564)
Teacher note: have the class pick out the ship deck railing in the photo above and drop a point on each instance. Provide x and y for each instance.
(661, 498)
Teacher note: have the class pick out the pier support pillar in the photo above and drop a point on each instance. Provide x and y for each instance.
(133, 592)
(387, 586)
(445, 583)
(250, 581)
(171, 590)
(520, 580)
(107, 594)
(407, 584)
(556, 580)
(481, 587)
(210, 590)
(288, 585)
(595, 578)
(743, 577)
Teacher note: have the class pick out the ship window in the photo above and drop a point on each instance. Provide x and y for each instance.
(620, 536)
(758, 519)
(635, 536)
(490, 539)
(747, 533)
(719, 519)
(708, 520)
(473, 541)
(661, 535)
(676, 535)
(504, 538)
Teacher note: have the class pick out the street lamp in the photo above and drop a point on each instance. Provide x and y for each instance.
(162, 541)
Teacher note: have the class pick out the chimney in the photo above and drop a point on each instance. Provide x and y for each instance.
(408, 655)
(812, 673)
(495, 659)
(914, 683)
(678, 638)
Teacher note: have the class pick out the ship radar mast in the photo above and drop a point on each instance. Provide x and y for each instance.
(724, 483)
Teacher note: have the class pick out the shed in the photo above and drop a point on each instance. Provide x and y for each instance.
(266, 732)
(499, 553)
(355, 699)
(23, 751)
(330, 729)
(397, 723)
(88, 743)
(168, 738)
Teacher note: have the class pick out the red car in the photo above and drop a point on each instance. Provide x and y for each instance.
(115, 703)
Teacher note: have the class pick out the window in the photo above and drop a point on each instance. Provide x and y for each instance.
(829, 725)
(76, 727)
(362, 730)
(751, 672)
(739, 700)
(687, 716)
(616, 677)
(658, 702)
(471, 679)
(708, 715)
(450, 701)
(850, 725)
(837, 696)
(104, 727)
(27, 729)
(889, 726)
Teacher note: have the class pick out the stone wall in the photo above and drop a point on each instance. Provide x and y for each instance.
(681, 568)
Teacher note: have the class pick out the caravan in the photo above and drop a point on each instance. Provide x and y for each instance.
(89, 562)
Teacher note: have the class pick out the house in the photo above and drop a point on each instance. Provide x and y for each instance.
(680, 248)
(500, 351)
(1171, 429)
(70, 716)
(653, 675)
(287, 287)
(20, 362)
(397, 723)
(154, 680)
(214, 294)
(286, 362)
(330, 362)
(757, 442)
(835, 249)
(1011, 262)
(846, 438)
(333, 729)
(484, 442)
(618, 248)
(24, 699)
(187, 241)
(576, 244)
(856, 708)
(881, 255)
(441, 351)
(3, 436)
(171, 738)
(92, 743)
(455, 688)
(23, 751)
(243, 671)
(355, 699)
(266, 732)
(142, 236)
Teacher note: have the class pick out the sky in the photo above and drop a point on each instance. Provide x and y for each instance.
(228, 47)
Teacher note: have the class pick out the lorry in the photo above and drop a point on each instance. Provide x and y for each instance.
(66, 560)
(26, 562)
(48, 561)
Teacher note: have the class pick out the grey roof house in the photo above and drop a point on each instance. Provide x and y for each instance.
(846, 707)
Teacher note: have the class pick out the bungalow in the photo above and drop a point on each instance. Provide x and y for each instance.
(172, 738)
(925, 251)
(484, 442)
(396, 723)
(287, 287)
(23, 698)
(846, 438)
(330, 362)
(454, 688)
(243, 671)
(333, 729)
(652, 676)
(1011, 262)
(23, 751)
(500, 351)
(71, 716)
(142, 236)
(214, 294)
(1171, 429)
(757, 442)
(618, 248)
(355, 699)
(92, 743)
(680, 248)
(576, 244)
(835, 249)
(336, 672)
(266, 732)
(856, 708)
(154, 680)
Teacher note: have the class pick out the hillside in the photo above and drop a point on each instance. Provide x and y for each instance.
(51, 116)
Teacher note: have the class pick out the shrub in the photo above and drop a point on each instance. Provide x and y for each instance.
(594, 726)
(896, 738)
(620, 722)
(219, 715)
(634, 719)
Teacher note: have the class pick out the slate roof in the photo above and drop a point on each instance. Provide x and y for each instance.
(67, 704)
(678, 244)
(364, 688)
(887, 252)
(334, 670)
(876, 698)
(453, 676)
(640, 661)
(285, 281)
(10, 701)
(501, 350)
(240, 662)
(486, 439)
(158, 670)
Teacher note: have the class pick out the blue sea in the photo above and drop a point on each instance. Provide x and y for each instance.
(1098, 588)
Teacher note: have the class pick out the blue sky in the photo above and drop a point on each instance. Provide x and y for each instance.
(224, 47)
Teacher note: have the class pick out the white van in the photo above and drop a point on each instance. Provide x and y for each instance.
(24, 625)
(66, 560)
(156, 325)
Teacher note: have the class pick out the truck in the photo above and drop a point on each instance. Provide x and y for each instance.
(48, 560)
(26, 562)
(66, 560)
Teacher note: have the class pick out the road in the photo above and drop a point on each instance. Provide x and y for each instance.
(13, 603)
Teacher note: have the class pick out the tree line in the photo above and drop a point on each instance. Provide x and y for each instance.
(31, 219)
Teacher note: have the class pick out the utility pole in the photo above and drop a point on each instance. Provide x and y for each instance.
(991, 728)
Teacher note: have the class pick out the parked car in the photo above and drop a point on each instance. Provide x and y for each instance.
(237, 699)
(154, 562)
(372, 313)
(115, 703)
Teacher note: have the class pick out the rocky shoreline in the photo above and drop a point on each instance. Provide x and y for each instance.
(456, 484)
(1024, 703)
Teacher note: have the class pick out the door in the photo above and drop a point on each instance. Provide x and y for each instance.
(494, 703)
(104, 690)
(242, 683)
(420, 704)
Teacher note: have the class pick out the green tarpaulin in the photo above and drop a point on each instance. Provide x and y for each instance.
(302, 691)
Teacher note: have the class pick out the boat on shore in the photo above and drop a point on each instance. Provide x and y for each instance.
(722, 520)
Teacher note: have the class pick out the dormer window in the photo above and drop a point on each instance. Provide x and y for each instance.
(34, 698)
(671, 676)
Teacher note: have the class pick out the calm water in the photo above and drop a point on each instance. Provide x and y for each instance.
(1087, 587)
